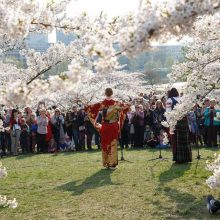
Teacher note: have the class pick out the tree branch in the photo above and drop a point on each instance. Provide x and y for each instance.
(42, 72)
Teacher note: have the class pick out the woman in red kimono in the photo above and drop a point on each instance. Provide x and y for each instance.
(113, 114)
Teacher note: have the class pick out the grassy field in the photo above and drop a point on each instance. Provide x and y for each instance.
(75, 186)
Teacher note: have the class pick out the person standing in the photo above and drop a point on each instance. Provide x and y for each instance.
(211, 123)
(15, 126)
(75, 127)
(24, 137)
(42, 122)
(8, 130)
(124, 137)
(206, 104)
(33, 132)
(113, 115)
(68, 125)
(130, 115)
(181, 148)
(82, 128)
(90, 130)
(138, 121)
(57, 121)
(158, 117)
(49, 135)
(200, 123)
(27, 115)
(2, 135)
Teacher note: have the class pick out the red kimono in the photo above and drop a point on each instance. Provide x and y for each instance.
(113, 115)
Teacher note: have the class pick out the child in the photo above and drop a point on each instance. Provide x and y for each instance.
(147, 133)
(24, 137)
(68, 143)
(152, 142)
(163, 140)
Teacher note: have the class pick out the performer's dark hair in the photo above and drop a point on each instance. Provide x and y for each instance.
(173, 93)
(108, 92)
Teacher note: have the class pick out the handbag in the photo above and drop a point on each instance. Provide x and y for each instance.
(82, 128)
(13, 131)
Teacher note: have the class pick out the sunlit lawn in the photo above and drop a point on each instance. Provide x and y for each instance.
(75, 186)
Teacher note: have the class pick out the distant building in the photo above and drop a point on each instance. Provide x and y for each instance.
(38, 42)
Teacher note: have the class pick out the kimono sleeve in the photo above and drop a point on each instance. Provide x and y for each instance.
(92, 112)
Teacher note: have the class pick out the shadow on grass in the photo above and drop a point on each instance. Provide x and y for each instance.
(175, 171)
(68, 153)
(187, 205)
(184, 204)
(25, 156)
(211, 148)
(134, 149)
(98, 179)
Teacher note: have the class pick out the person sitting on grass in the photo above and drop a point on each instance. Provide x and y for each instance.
(152, 142)
(163, 140)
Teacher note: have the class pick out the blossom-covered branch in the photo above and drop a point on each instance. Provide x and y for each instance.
(201, 70)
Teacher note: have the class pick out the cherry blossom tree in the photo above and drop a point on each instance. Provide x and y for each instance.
(126, 86)
(201, 68)
(93, 49)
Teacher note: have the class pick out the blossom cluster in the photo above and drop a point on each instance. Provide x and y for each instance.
(90, 90)
(3, 199)
(214, 180)
(4, 202)
(161, 20)
(3, 172)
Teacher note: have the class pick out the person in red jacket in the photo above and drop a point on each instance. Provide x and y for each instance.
(49, 135)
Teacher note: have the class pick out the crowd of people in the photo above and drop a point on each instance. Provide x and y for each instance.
(46, 130)
(52, 130)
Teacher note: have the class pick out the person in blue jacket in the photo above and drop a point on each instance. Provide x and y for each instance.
(211, 123)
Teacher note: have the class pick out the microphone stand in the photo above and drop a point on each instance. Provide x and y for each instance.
(160, 156)
(198, 157)
(122, 155)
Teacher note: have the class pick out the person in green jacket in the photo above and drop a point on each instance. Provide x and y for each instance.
(211, 123)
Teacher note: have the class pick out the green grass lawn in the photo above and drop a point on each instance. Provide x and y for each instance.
(75, 186)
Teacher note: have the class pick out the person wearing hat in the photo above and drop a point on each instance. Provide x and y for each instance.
(113, 115)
